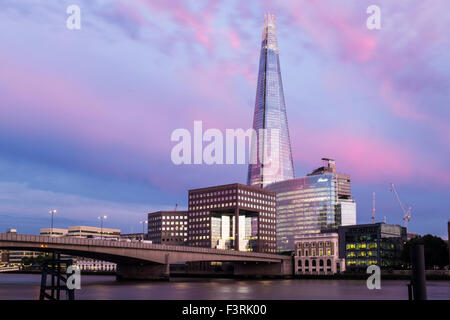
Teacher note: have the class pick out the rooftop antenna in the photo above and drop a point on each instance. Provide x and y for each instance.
(373, 207)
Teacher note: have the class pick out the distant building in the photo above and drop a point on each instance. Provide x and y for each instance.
(319, 202)
(168, 227)
(86, 264)
(15, 256)
(55, 232)
(318, 254)
(346, 210)
(448, 239)
(4, 256)
(135, 236)
(92, 232)
(234, 217)
(411, 235)
(367, 244)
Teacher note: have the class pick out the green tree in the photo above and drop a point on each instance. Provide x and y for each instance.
(435, 251)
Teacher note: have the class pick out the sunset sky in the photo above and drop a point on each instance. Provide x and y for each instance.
(86, 115)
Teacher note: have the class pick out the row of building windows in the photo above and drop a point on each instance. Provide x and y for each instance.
(199, 231)
(173, 234)
(198, 237)
(212, 200)
(173, 240)
(232, 204)
(313, 244)
(360, 262)
(173, 228)
(314, 263)
(361, 246)
(353, 254)
(211, 194)
(174, 222)
(232, 191)
(313, 253)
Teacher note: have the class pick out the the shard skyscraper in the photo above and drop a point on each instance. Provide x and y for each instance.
(273, 147)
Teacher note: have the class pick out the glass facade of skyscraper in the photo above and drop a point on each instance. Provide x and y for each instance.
(304, 206)
(270, 114)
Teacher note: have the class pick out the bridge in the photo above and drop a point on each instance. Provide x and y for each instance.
(137, 260)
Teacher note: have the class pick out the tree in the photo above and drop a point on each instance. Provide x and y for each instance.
(435, 251)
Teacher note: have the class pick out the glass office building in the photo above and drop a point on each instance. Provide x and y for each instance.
(319, 202)
(367, 244)
(304, 206)
(270, 114)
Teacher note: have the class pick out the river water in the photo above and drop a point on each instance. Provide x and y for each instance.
(26, 286)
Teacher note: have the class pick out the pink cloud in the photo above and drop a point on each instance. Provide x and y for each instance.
(367, 158)
(46, 106)
(335, 28)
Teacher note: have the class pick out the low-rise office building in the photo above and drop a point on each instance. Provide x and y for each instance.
(86, 264)
(55, 232)
(135, 237)
(318, 254)
(371, 244)
(168, 227)
(16, 257)
(93, 232)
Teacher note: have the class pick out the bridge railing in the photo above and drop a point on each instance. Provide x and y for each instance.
(121, 244)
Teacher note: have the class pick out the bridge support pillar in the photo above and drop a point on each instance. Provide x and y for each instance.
(143, 272)
(253, 269)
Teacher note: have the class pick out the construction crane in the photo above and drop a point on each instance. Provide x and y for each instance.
(373, 207)
(406, 213)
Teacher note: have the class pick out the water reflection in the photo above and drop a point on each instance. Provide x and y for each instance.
(17, 286)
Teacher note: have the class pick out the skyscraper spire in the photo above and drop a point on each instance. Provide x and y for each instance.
(270, 114)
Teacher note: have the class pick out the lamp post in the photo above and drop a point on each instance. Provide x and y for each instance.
(143, 222)
(52, 212)
(101, 218)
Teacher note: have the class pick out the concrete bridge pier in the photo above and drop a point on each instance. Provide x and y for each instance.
(142, 272)
(255, 269)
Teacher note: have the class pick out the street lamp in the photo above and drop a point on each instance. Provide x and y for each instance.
(52, 212)
(101, 218)
(143, 222)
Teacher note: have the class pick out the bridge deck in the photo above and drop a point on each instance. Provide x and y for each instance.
(81, 242)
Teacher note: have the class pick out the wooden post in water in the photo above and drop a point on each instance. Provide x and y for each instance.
(418, 273)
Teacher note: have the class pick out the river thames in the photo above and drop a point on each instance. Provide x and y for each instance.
(26, 286)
